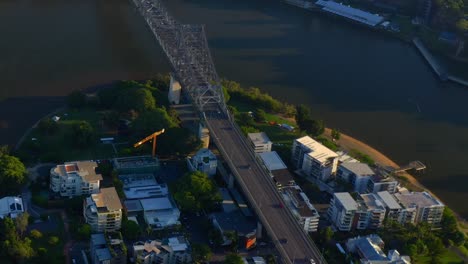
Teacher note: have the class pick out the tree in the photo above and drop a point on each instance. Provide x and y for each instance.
(151, 121)
(314, 127)
(195, 191)
(12, 174)
(201, 253)
(13, 246)
(76, 99)
(82, 133)
(246, 119)
(335, 134)
(327, 234)
(302, 114)
(233, 259)
(36, 234)
(21, 222)
(259, 115)
(226, 95)
(139, 99)
(435, 248)
(448, 12)
(47, 126)
(84, 232)
(462, 25)
(53, 240)
(130, 229)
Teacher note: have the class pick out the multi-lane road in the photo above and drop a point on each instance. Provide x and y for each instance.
(291, 241)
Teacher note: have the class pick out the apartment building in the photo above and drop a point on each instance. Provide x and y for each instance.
(342, 211)
(371, 212)
(103, 210)
(300, 206)
(259, 142)
(355, 173)
(173, 250)
(11, 206)
(75, 179)
(107, 248)
(427, 208)
(313, 159)
(394, 210)
(379, 183)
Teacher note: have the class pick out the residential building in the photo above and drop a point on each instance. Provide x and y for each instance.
(136, 165)
(11, 206)
(313, 159)
(379, 183)
(369, 250)
(342, 211)
(235, 221)
(204, 161)
(75, 178)
(300, 206)
(275, 166)
(371, 212)
(107, 248)
(355, 173)
(103, 210)
(173, 250)
(139, 186)
(259, 142)
(160, 213)
(427, 208)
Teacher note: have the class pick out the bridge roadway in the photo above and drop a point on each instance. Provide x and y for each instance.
(262, 194)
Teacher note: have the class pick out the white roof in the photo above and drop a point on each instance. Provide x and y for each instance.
(317, 150)
(419, 199)
(360, 169)
(272, 160)
(349, 12)
(347, 201)
(11, 205)
(153, 204)
(389, 200)
(259, 138)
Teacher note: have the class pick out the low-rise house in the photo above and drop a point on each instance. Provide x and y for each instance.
(103, 211)
(369, 250)
(259, 142)
(75, 178)
(160, 213)
(204, 161)
(11, 206)
(355, 173)
(173, 250)
(275, 166)
(300, 206)
(107, 248)
(235, 222)
(313, 159)
(427, 208)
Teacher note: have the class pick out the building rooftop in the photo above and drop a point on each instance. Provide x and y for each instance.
(103, 254)
(351, 13)
(98, 239)
(259, 138)
(228, 203)
(283, 177)
(235, 221)
(107, 199)
(10, 206)
(317, 151)
(137, 180)
(300, 201)
(344, 157)
(346, 200)
(146, 191)
(85, 169)
(358, 168)
(372, 201)
(389, 200)
(417, 199)
(133, 162)
(272, 160)
(153, 204)
(133, 206)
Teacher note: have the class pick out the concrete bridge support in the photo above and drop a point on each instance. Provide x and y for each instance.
(174, 91)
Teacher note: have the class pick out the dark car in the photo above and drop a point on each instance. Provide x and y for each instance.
(283, 241)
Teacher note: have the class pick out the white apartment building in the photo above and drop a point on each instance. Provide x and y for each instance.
(259, 142)
(394, 211)
(204, 161)
(378, 183)
(300, 206)
(313, 159)
(75, 178)
(371, 212)
(427, 208)
(103, 210)
(173, 250)
(342, 211)
(11, 206)
(355, 173)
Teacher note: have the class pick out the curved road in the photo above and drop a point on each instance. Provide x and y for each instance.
(292, 242)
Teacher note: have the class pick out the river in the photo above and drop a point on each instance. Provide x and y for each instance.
(368, 85)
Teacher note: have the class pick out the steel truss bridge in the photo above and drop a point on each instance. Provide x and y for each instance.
(187, 49)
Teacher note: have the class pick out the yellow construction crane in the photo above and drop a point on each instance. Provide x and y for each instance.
(150, 137)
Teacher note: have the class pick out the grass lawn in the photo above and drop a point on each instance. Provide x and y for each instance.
(448, 257)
